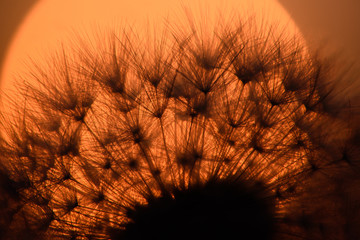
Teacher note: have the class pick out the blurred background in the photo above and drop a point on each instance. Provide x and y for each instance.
(12, 13)
(332, 27)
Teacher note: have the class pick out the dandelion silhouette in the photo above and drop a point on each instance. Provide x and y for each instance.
(192, 136)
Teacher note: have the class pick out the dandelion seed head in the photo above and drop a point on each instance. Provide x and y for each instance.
(199, 134)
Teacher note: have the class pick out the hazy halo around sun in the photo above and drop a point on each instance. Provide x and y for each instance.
(51, 24)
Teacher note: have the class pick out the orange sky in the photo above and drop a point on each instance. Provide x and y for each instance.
(12, 13)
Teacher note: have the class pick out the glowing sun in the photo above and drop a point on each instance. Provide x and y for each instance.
(52, 24)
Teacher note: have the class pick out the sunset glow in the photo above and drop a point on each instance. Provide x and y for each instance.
(172, 121)
(52, 24)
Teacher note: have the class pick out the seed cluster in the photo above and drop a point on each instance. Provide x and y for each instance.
(105, 133)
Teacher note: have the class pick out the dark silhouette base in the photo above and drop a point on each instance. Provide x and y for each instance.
(215, 210)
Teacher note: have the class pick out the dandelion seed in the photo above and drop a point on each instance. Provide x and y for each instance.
(189, 136)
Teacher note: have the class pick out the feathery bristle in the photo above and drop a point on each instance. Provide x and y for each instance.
(199, 137)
